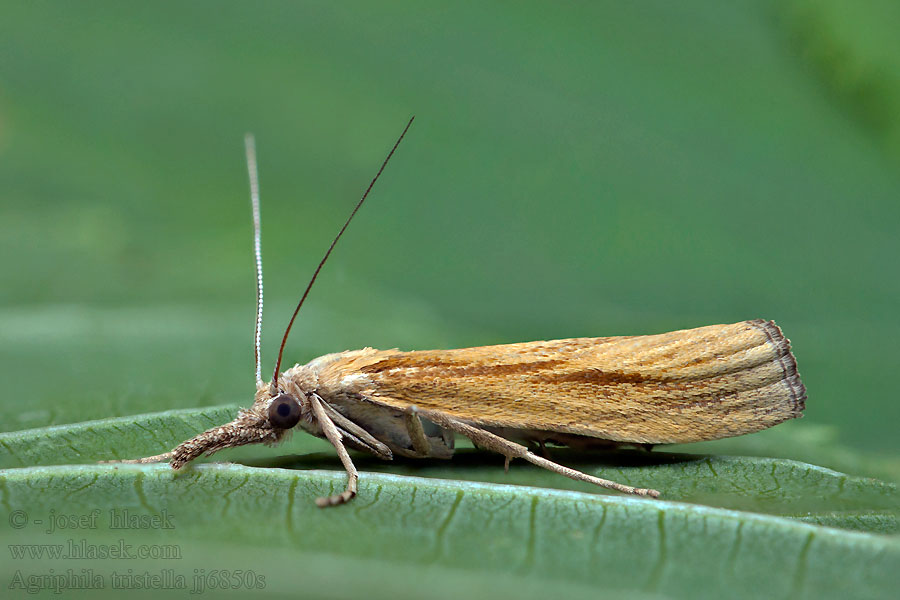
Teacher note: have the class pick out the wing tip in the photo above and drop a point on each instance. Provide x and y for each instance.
(788, 362)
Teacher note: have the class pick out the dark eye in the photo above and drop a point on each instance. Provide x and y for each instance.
(284, 412)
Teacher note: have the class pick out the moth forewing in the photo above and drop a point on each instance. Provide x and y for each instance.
(686, 386)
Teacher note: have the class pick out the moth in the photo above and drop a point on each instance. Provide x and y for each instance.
(594, 392)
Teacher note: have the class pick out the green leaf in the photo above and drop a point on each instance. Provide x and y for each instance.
(407, 537)
(770, 486)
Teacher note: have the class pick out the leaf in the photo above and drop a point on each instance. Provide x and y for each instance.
(807, 442)
(406, 537)
(764, 485)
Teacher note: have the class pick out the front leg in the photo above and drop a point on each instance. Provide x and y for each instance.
(490, 441)
(334, 436)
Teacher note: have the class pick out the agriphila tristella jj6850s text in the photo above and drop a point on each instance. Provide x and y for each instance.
(684, 386)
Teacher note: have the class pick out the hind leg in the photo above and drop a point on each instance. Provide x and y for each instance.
(495, 443)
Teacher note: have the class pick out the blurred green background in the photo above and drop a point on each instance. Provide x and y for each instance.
(575, 169)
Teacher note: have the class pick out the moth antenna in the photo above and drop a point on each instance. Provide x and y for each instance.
(250, 149)
(328, 253)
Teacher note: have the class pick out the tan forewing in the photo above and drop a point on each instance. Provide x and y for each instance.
(689, 385)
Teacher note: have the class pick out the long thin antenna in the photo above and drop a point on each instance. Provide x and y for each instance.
(330, 248)
(250, 148)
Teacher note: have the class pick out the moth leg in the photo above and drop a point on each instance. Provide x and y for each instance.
(490, 441)
(362, 437)
(416, 432)
(544, 452)
(448, 437)
(334, 436)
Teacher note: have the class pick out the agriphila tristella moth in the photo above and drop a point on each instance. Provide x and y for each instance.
(684, 386)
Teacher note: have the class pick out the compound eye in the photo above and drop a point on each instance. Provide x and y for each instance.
(284, 412)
